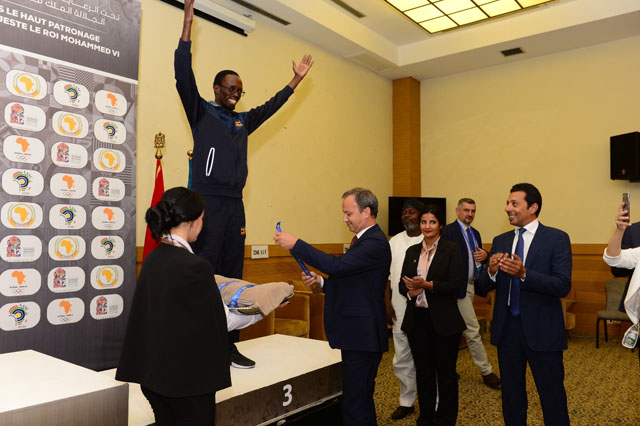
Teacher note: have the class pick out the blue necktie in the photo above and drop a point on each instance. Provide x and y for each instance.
(515, 281)
(472, 247)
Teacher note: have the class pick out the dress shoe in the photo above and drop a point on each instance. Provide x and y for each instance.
(402, 412)
(492, 381)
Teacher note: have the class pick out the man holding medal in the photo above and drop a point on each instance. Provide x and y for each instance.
(473, 256)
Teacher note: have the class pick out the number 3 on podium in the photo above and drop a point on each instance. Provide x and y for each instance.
(287, 394)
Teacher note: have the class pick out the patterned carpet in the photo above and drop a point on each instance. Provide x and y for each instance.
(603, 387)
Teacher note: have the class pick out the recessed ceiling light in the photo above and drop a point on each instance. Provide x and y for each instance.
(441, 15)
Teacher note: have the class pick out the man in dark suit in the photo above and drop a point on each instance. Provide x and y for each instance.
(354, 313)
(530, 268)
(469, 241)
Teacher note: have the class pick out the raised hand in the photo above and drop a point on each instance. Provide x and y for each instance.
(301, 69)
(622, 218)
(188, 19)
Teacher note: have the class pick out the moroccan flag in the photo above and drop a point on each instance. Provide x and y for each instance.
(158, 190)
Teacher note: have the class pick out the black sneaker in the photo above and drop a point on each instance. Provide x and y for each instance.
(240, 361)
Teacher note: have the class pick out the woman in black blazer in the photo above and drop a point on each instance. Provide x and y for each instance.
(432, 273)
(176, 343)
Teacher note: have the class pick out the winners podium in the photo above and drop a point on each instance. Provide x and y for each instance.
(296, 381)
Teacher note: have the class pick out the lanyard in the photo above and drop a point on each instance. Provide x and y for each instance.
(472, 246)
(179, 240)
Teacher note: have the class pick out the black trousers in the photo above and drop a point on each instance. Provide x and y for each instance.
(435, 358)
(221, 240)
(359, 370)
(199, 410)
(548, 373)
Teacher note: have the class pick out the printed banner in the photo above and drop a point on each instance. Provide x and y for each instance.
(68, 93)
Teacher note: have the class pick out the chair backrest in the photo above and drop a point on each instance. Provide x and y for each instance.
(614, 288)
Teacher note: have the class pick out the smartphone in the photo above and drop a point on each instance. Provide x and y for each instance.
(626, 199)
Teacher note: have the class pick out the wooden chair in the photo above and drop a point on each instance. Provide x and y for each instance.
(614, 288)
(292, 319)
(316, 312)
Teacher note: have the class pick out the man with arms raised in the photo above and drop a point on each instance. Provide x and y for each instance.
(354, 312)
(530, 268)
(219, 170)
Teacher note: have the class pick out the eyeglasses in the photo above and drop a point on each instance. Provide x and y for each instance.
(231, 90)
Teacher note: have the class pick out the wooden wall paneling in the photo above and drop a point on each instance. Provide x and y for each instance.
(407, 173)
(588, 277)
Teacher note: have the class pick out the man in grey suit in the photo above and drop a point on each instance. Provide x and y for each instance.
(354, 312)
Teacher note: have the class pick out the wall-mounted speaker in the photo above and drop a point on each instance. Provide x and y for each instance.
(625, 156)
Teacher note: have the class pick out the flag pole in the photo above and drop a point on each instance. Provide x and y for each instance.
(158, 189)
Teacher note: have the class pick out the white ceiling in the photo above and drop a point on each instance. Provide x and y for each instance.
(391, 45)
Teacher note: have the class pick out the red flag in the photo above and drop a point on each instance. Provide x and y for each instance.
(158, 190)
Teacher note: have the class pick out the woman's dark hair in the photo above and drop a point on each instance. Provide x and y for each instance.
(436, 211)
(177, 205)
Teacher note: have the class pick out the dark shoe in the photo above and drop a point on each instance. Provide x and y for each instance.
(402, 412)
(492, 381)
(240, 361)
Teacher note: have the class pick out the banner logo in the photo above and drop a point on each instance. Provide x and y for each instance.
(69, 124)
(62, 153)
(17, 114)
(59, 278)
(66, 279)
(103, 187)
(14, 247)
(72, 91)
(109, 160)
(26, 84)
(106, 276)
(20, 248)
(22, 215)
(66, 247)
(19, 314)
(107, 244)
(111, 103)
(69, 155)
(25, 117)
(23, 149)
(19, 282)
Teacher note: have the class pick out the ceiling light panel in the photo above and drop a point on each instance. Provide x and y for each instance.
(440, 15)
(452, 6)
(424, 13)
(500, 7)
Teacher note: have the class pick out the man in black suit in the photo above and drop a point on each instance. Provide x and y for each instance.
(530, 268)
(354, 312)
(469, 241)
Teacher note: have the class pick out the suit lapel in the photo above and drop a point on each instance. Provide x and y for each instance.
(438, 256)
(536, 244)
(508, 241)
(367, 233)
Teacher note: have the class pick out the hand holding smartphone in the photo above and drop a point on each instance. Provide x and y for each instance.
(626, 199)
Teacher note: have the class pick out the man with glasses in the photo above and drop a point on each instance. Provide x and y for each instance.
(219, 167)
